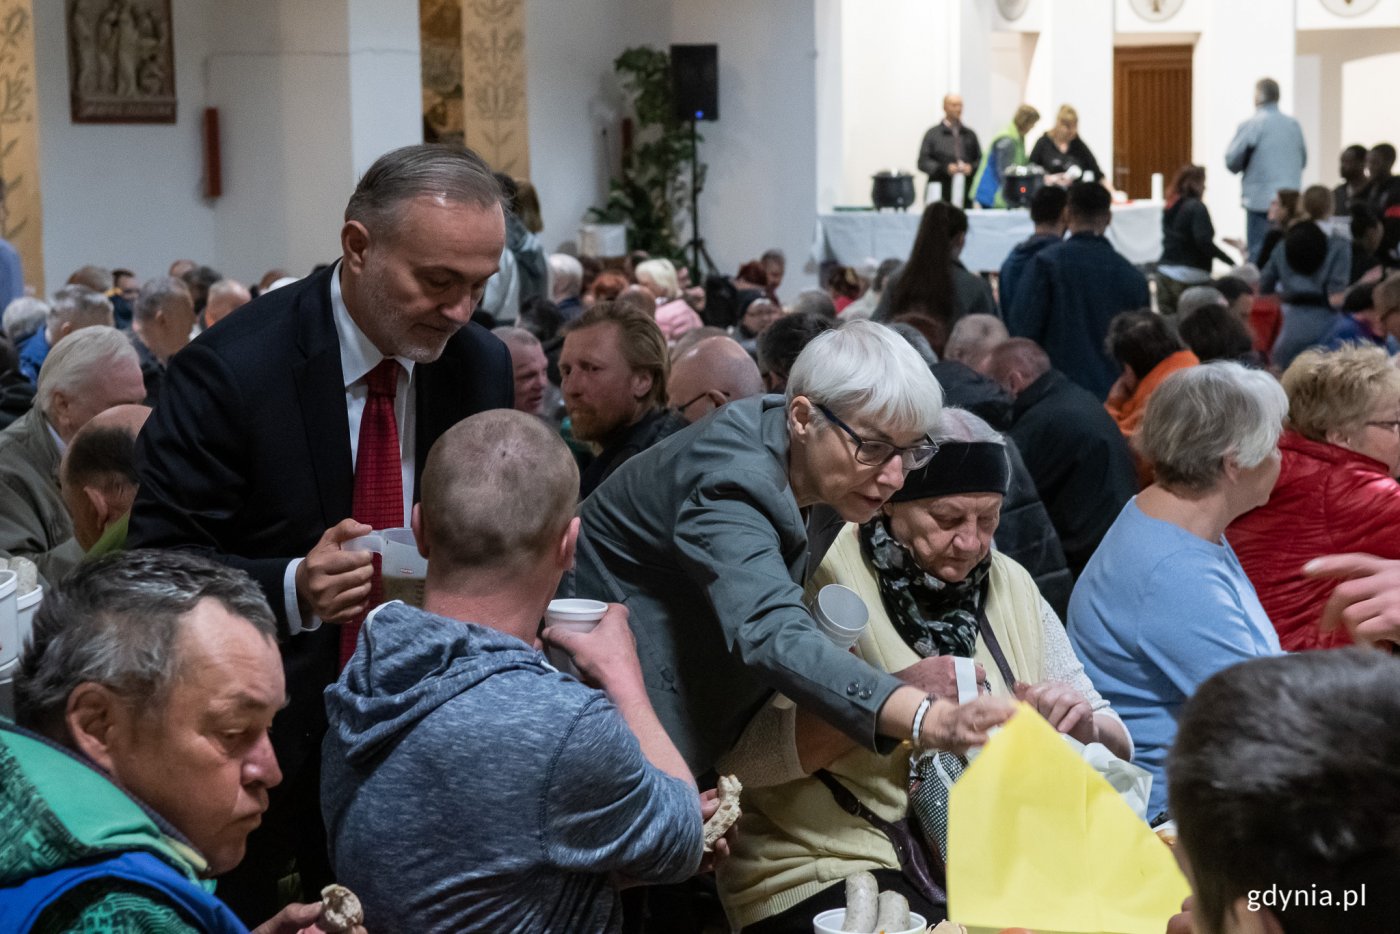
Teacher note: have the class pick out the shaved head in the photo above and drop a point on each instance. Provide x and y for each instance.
(499, 489)
(953, 106)
(225, 296)
(715, 371)
(1016, 363)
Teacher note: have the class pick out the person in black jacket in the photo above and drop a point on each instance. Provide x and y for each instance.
(1082, 467)
(949, 149)
(1063, 155)
(1188, 240)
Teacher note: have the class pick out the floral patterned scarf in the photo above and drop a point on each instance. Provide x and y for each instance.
(933, 616)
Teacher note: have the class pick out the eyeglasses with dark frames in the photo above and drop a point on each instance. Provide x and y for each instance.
(878, 453)
(1392, 425)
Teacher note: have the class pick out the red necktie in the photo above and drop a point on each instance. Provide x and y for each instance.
(378, 496)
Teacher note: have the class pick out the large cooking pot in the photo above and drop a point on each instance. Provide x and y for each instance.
(1020, 183)
(890, 190)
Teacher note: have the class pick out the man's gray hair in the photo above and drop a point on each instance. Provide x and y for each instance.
(116, 622)
(79, 307)
(1267, 90)
(1198, 297)
(565, 276)
(24, 317)
(80, 357)
(864, 369)
(156, 294)
(453, 173)
(967, 428)
(973, 337)
(916, 340)
(1203, 414)
(816, 302)
(517, 336)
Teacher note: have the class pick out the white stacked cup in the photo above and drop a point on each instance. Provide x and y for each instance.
(575, 615)
(841, 614)
(11, 640)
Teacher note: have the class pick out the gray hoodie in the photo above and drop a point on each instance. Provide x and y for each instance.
(468, 786)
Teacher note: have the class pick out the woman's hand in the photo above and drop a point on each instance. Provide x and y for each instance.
(297, 918)
(1066, 709)
(936, 675)
(958, 727)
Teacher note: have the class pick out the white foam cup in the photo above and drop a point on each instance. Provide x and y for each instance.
(834, 920)
(841, 614)
(26, 605)
(10, 639)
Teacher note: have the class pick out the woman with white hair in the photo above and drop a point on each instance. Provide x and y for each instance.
(925, 568)
(673, 314)
(705, 538)
(1164, 603)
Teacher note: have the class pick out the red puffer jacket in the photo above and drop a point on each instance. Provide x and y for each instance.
(1327, 500)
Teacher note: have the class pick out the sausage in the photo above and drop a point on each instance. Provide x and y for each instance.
(893, 913)
(861, 893)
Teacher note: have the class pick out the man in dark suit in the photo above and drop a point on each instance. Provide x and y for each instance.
(1079, 460)
(279, 426)
(1070, 291)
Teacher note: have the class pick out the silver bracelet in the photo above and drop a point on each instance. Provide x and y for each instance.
(924, 705)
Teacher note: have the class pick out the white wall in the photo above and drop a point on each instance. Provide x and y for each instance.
(122, 194)
(762, 185)
(575, 105)
(1349, 101)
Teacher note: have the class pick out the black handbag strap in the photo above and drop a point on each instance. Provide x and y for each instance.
(916, 862)
(994, 647)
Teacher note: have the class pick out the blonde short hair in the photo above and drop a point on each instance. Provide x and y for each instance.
(662, 275)
(1067, 115)
(1335, 390)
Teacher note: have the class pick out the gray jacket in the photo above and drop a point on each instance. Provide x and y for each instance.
(34, 522)
(1269, 149)
(703, 540)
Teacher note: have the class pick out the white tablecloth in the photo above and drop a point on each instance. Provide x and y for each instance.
(855, 237)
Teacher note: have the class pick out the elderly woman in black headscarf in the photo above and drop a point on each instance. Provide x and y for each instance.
(925, 568)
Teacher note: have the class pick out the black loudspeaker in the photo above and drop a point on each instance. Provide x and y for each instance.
(695, 81)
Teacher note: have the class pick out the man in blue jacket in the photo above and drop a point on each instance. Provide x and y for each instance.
(1269, 153)
(1070, 291)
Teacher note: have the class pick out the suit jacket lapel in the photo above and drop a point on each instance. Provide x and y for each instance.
(321, 398)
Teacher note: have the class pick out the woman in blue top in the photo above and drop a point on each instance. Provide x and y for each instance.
(1164, 604)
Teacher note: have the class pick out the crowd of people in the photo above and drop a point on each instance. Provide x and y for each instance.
(1122, 515)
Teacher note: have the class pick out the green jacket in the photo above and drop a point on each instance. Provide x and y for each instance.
(1006, 149)
(56, 811)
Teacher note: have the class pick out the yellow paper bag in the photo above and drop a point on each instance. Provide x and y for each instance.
(1038, 839)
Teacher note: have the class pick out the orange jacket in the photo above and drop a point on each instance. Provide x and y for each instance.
(1128, 413)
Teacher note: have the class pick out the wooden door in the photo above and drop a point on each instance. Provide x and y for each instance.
(1151, 115)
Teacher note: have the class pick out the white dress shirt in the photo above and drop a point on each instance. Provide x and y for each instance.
(358, 357)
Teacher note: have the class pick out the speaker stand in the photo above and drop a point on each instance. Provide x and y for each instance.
(696, 245)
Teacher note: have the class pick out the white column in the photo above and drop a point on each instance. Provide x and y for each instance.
(386, 85)
(1223, 90)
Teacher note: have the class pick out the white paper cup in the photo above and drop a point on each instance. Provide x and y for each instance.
(575, 615)
(840, 614)
(9, 618)
(830, 922)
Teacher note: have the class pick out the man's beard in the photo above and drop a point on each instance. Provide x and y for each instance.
(396, 326)
(589, 425)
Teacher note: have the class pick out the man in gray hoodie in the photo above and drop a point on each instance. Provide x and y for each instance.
(467, 785)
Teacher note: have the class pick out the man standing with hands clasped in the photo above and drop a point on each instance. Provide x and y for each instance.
(950, 149)
(304, 422)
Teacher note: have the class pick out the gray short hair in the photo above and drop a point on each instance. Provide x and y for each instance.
(662, 273)
(514, 335)
(78, 358)
(115, 621)
(973, 337)
(79, 306)
(1197, 297)
(454, 173)
(814, 301)
(865, 369)
(1268, 90)
(156, 294)
(24, 317)
(1203, 414)
(566, 274)
(916, 340)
